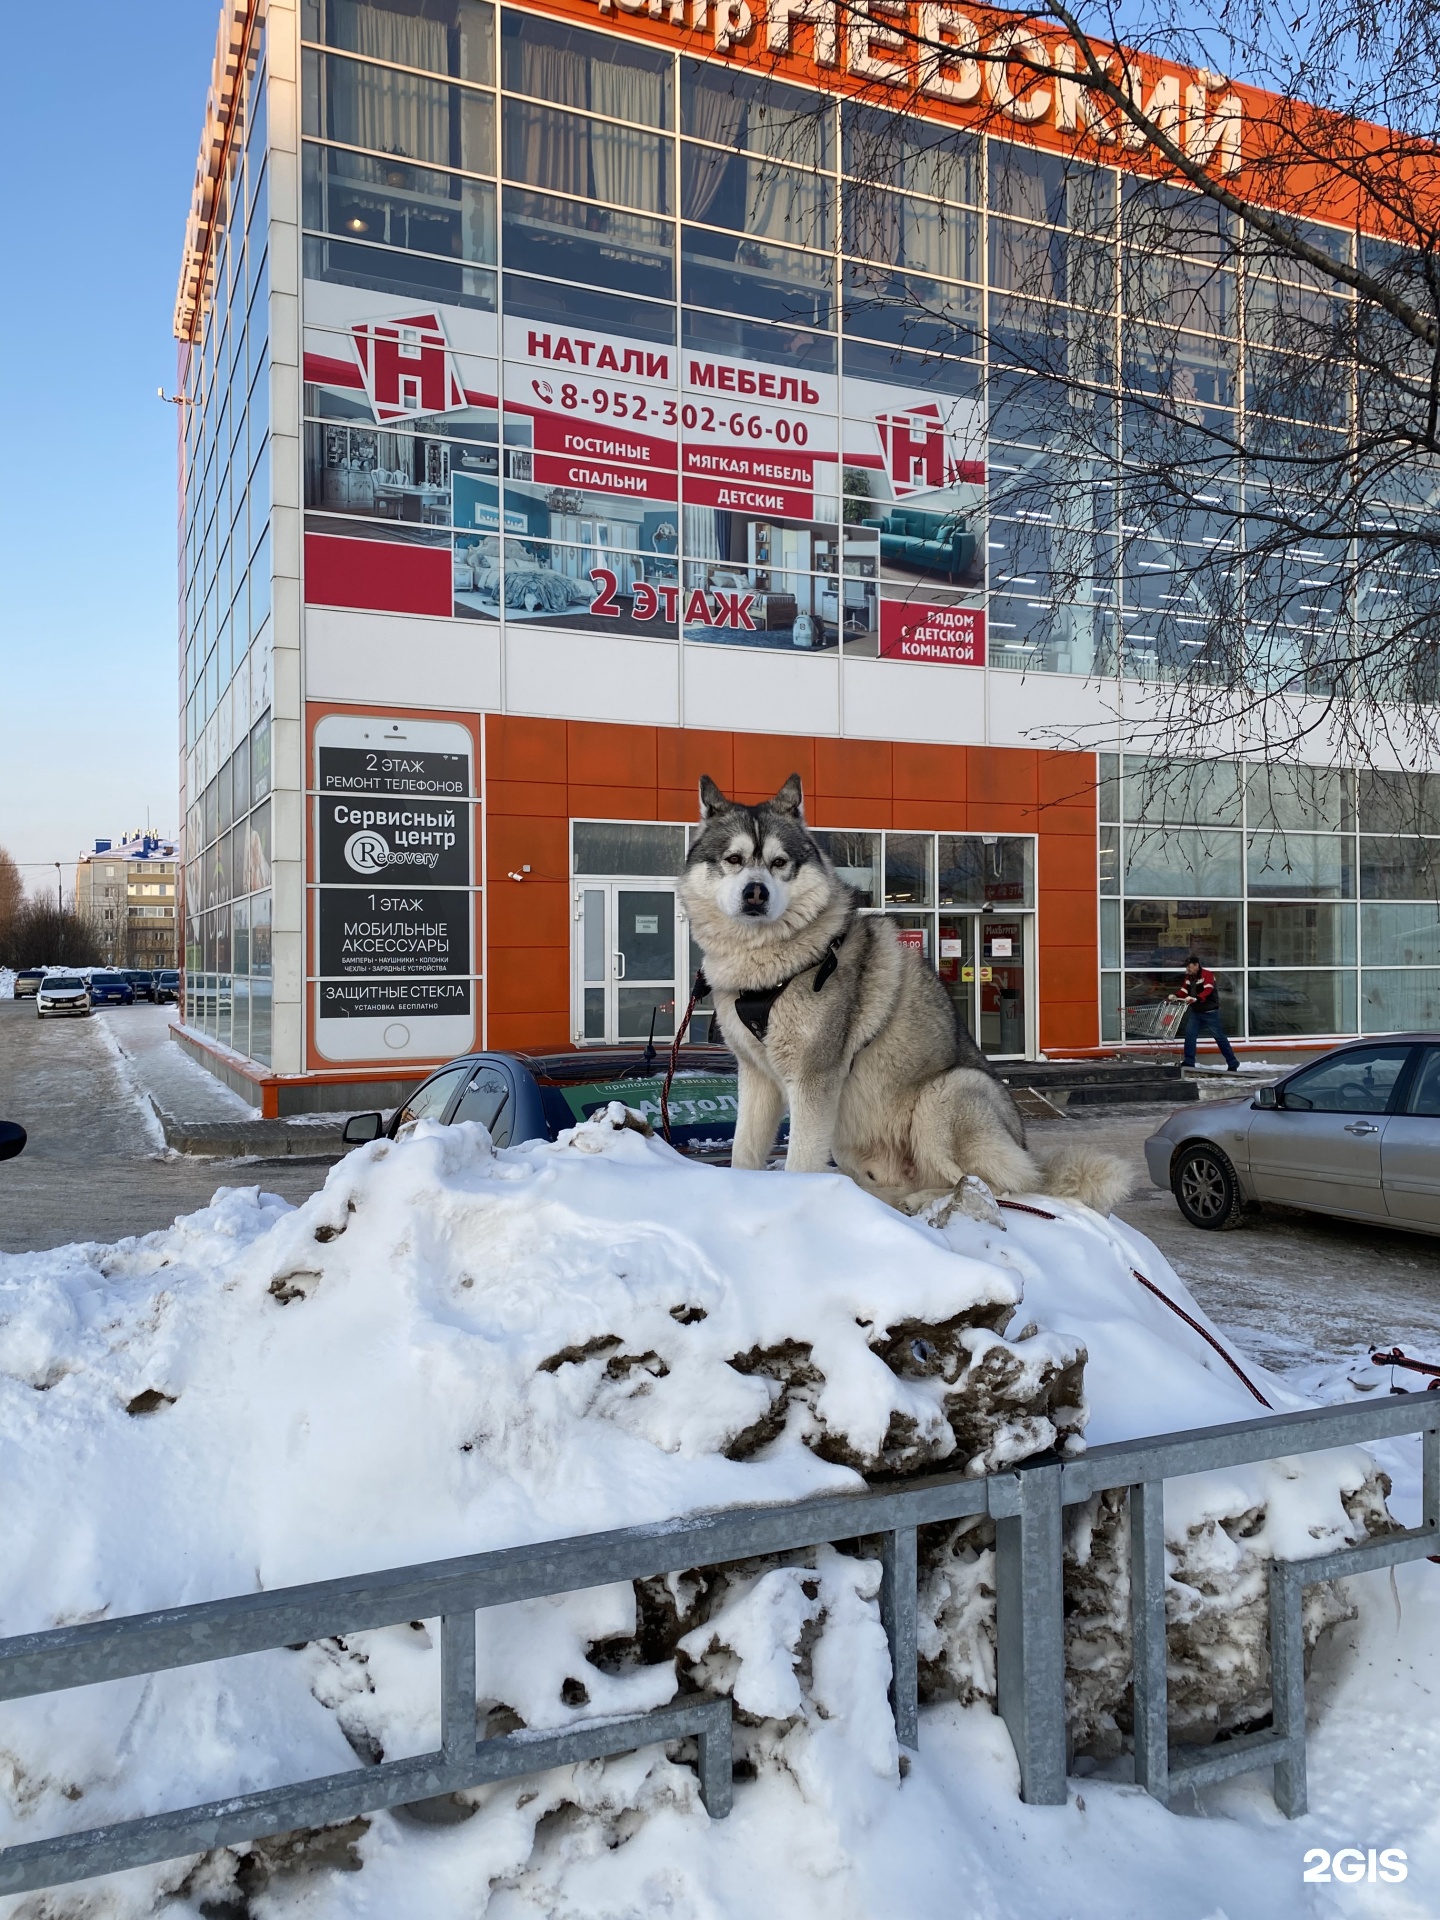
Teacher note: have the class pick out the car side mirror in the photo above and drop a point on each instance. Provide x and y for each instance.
(12, 1139)
(1267, 1097)
(361, 1128)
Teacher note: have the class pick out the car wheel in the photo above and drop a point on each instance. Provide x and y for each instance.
(1205, 1188)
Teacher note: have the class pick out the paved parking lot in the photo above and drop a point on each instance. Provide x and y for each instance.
(95, 1166)
(1292, 1287)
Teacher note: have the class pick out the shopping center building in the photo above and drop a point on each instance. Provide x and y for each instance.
(540, 454)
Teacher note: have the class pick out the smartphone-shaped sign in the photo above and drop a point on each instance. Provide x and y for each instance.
(392, 927)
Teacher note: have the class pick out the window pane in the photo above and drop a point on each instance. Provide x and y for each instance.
(1111, 1022)
(1298, 797)
(570, 240)
(596, 71)
(1425, 1093)
(1171, 862)
(1402, 936)
(896, 230)
(1110, 860)
(1293, 936)
(766, 281)
(908, 879)
(1110, 935)
(399, 114)
(976, 870)
(1399, 869)
(1360, 1081)
(1108, 796)
(593, 933)
(1301, 1003)
(754, 113)
(1145, 991)
(428, 1102)
(902, 150)
(1164, 933)
(628, 847)
(566, 153)
(391, 204)
(756, 196)
(1304, 865)
(643, 1011)
(1400, 802)
(1400, 1002)
(856, 859)
(1182, 792)
(484, 1098)
(454, 36)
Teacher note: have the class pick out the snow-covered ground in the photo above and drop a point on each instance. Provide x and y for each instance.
(449, 1349)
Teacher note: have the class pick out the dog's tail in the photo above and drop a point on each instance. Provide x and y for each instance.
(1085, 1174)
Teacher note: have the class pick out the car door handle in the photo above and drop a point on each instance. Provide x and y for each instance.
(1360, 1126)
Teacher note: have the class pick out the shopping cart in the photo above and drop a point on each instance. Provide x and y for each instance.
(1158, 1021)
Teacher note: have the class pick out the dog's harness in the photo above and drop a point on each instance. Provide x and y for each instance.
(754, 1007)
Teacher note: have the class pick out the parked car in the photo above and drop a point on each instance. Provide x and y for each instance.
(107, 987)
(141, 979)
(166, 985)
(27, 982)
(535, 1096)
(63, 993)
(1355, 1134)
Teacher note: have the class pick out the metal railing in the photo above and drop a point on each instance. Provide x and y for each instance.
(1026, 1503)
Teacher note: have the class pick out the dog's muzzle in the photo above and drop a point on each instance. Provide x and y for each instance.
(755, 900)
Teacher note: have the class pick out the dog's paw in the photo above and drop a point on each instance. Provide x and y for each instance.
(969, 1197)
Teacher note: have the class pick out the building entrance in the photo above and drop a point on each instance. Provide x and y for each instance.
(633, 940)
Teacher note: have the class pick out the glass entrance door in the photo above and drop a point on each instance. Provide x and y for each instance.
(630, 936)
(982, 965)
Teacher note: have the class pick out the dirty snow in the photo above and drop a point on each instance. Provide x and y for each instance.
(450, 1349)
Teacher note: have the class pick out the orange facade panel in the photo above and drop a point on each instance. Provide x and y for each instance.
(543, 773)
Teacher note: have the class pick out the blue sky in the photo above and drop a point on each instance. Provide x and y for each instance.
(100, 113)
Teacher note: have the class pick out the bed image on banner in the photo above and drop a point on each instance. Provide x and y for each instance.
(401, 397)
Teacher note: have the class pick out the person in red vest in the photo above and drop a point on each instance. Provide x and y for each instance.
(1198, 989)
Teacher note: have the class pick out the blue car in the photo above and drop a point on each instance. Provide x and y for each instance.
(110, 988)
(535, 1096)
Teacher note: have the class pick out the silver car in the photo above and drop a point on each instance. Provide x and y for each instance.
(1356, 1134)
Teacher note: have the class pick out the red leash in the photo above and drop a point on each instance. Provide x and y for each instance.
(697, 992)
(1019, 1206)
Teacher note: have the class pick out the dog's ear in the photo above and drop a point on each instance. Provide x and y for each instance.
(712, 800)
(790, 798)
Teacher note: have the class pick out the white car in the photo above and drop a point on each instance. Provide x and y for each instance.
(62, 993)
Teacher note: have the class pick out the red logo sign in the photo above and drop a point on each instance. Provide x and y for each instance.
(953, 636)
(407, 368)
(921, 455)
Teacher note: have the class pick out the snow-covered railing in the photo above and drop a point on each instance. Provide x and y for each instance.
(1027, 1504)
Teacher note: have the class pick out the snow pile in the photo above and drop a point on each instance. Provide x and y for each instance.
(7, 983)
(450, 1349)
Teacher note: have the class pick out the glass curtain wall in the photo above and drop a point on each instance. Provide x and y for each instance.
(1314, 895)
(505, 160)
(225, 610)
(963, 902)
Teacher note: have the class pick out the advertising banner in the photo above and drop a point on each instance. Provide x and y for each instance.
(393, 1001)
(367, 931)
(392, 931)
(588, 481)
(366, 838)
(919, 630)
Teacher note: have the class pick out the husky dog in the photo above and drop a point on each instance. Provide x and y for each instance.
(829, 1015)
